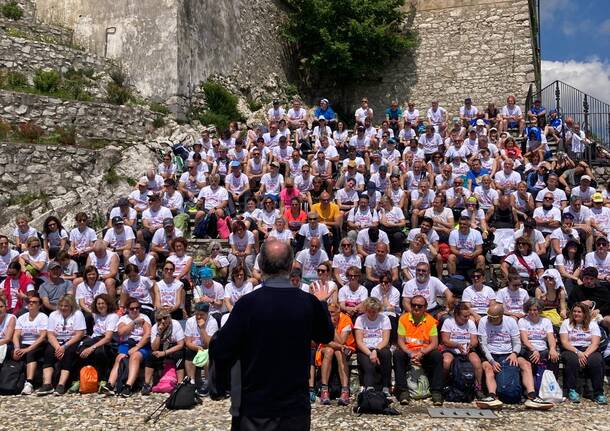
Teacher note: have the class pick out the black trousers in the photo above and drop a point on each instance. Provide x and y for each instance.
(102, 358)
(432, 364)
(288, 423)
(595, 365)
(34, 355)
(67, 362)
(371, 373)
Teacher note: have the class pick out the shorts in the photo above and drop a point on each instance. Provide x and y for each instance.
(463, 262)
(144, 351)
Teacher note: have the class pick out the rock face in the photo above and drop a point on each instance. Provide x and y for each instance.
(93, 120)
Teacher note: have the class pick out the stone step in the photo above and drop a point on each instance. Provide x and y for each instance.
(37, 31)
(27, 56)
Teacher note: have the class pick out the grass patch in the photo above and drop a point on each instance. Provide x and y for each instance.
(221, 106)
(159, 107)
(27, 198)
(253, 104)
(48, 83)
(12, 10)
(158, 122)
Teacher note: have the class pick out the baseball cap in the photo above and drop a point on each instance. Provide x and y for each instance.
(391, 141)
(142, 182)
(275, 101)
(585, 177)
(361, 128)
(235, 164)
(206, 272)
(480, 122)
(601, 240)
(352, 164)
(53, 265)
(468, 99)
(276, 164)
(324, 100)
(597, 197)
(117, 220)
(122, 202)
(152, 196)
(321, 117)
(471, 200)
(168, 222)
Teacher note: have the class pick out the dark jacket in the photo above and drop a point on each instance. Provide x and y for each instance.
(600, 294)
(270, 331)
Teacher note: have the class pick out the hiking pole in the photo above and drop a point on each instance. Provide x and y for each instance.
(159, 410)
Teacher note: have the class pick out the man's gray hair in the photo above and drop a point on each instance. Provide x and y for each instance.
(277, 261)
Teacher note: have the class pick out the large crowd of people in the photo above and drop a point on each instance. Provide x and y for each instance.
(396, 226)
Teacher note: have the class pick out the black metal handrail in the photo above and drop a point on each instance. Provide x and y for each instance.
(592, 113)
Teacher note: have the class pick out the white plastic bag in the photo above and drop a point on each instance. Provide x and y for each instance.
(550, 390)
(417, 382)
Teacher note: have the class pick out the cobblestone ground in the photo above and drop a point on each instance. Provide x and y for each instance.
(95, 412)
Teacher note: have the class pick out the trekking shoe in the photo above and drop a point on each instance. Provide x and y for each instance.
(325, 397)
(574, 396)
(437, 399)
(386, 392)
(312, 396)
(404, 398)
(146, 389)
(75, 388)
(100, 386)
(60, 390)
(479, 395)
(538, 404)
(343, 399)
(203, 391)
(45, 390)
(490, 402)
(126, 392)
(107, 389)
(27, 389)
(601, 399)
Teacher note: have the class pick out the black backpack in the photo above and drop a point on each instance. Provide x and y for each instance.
(12, 377)
(374, 402)
(183, 397)
(461, 389)
(122, 375)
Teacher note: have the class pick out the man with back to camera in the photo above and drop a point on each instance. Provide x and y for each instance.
(274, 382)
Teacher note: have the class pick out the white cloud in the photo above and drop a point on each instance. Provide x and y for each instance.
(549, 9)
(592, 77)
(604, 27)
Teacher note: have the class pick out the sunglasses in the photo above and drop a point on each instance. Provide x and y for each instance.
(168, 269)
(418, 305)
(346, 245)
(353, 275)
(322, 270)
(312, 219)
(134, 308)
(34, 302)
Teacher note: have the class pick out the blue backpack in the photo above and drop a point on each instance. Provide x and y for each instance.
(509, 384)
(461, 389)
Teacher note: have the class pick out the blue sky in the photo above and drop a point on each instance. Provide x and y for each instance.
(575, 41)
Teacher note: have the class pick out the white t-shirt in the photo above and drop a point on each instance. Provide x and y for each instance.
(169, 292)
(552, 214)
(479, 300)
(309, 263)
(82, 240)
(533, 262)
(362, 218)
(507, 181)
(273, 184)
(177, 332)
(236, 184)
(563, 238)
(191, 329)
(88, 293)
(372, 330)
(7, 319)
(6, 259)
(365, 242)
(465, 243)
(30, 329)
(140, 289)
(390, 262)
(429, 290)
(241, 243)
(213, 198)
(180, 263)
(353, 298)
(558, 196)
(430, 144)
(459, 333)
(309, 233)
(103, 324)
(395, 215)
(410, 260)
(118, 240)
(233, 293)
(537, 332)
(512, 300)
(602, 218)
(577, 336)
(215, 291)
(602, 265)
(64, 329)
(499, 337)
(393, 296)
(138, 330)
(342, 262)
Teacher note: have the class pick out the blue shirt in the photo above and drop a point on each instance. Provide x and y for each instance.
(393, 115)
(475, 177)
(328, 113)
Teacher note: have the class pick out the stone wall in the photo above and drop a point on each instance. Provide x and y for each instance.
(27, 56)
(93, 120)
(39, 32)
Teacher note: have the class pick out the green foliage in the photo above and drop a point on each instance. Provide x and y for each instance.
(15, 32)
(11, 80)
(5, 129)
(111, 177)
(66, 135)
(291, 91)
(46, 81)
(342, 41)
(158, 122)
(27, 198)
(159, 107)
(118, 94)
(30, 131)
(12, 10)
(254, 105)
(221, 106)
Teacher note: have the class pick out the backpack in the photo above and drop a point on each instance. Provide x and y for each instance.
(374, 402)
(419, 387)
(183, 397)
(456, 284)
(88, 380)
(122, 374)
(168, 380)
(12, 377)
(508, 381)
(461, 389)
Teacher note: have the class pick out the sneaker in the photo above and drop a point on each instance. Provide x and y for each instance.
(489, 402)
(437, 398)
(479, 395)
(538, 404)
(60, 390)
(126, 392)
(325, 397)
(601, 399)
(45, 390)
(146, 389)
(404, 398)
(343, 399)
(27, 389)
(100, 386)
(386, 392)
(107, 389)
(312, 396)
(203, 391)
(574, 396)
(75, 388)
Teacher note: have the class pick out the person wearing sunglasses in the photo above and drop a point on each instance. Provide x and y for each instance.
(167, 345)
(600, 259)
(66, 328)
(324, 288)
(16, 287)
(134, 343)
(35, 260)
(7, 256)
(171, 292)
(30, 340)
(478, 296)
(418, 346)
(81, 238)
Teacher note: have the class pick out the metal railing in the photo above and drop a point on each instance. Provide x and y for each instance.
(592, 114)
